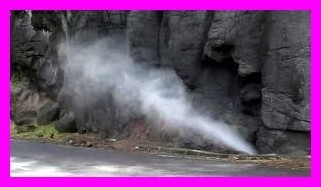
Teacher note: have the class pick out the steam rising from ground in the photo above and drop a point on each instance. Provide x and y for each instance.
(155, 93)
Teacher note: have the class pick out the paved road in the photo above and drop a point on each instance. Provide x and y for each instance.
(44, 159)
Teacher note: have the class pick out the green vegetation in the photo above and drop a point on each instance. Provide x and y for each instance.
(17, 84)
(43, 131)
(13, 128)
(15, 81)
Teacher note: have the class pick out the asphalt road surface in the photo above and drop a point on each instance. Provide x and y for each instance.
(34, 159)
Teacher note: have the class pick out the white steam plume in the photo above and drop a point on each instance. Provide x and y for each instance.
(158, 94)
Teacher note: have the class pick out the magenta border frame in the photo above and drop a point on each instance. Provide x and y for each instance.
(7, 5)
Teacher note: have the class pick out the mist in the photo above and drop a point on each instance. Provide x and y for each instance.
(103, 67)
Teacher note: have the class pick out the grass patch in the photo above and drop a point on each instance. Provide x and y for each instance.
(44, 131)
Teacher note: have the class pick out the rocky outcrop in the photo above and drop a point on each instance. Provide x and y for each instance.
(38, 55)
(66, 123)
(283, 142)
(47, 113)
(286, 83)
(26, 105)
(234, 62)
(143, 37)
(237, 34)
(250, 69)
(286, 72)
(178, 52)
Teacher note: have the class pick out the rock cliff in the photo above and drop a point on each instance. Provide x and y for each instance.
(250, 69)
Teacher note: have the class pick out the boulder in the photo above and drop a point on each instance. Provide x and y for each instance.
(283, 142)
(25, 118)
(66, 123)
(47, 113)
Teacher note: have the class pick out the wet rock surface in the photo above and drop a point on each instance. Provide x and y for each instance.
(250, 69)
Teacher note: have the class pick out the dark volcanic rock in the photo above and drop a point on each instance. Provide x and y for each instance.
(286, 72)
(284, 142)
(21, 32)
(35, 37)
(143, 31)
(26, 101)
(66, 123)
(47, 113)
(250, 69)
(218, 96)
(237, 34)
(181, 39)
(25, 118)
(230, 84)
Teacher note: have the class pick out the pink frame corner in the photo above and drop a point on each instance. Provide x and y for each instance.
(7, 5)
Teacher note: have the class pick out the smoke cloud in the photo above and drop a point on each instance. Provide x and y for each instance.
(157, 94)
